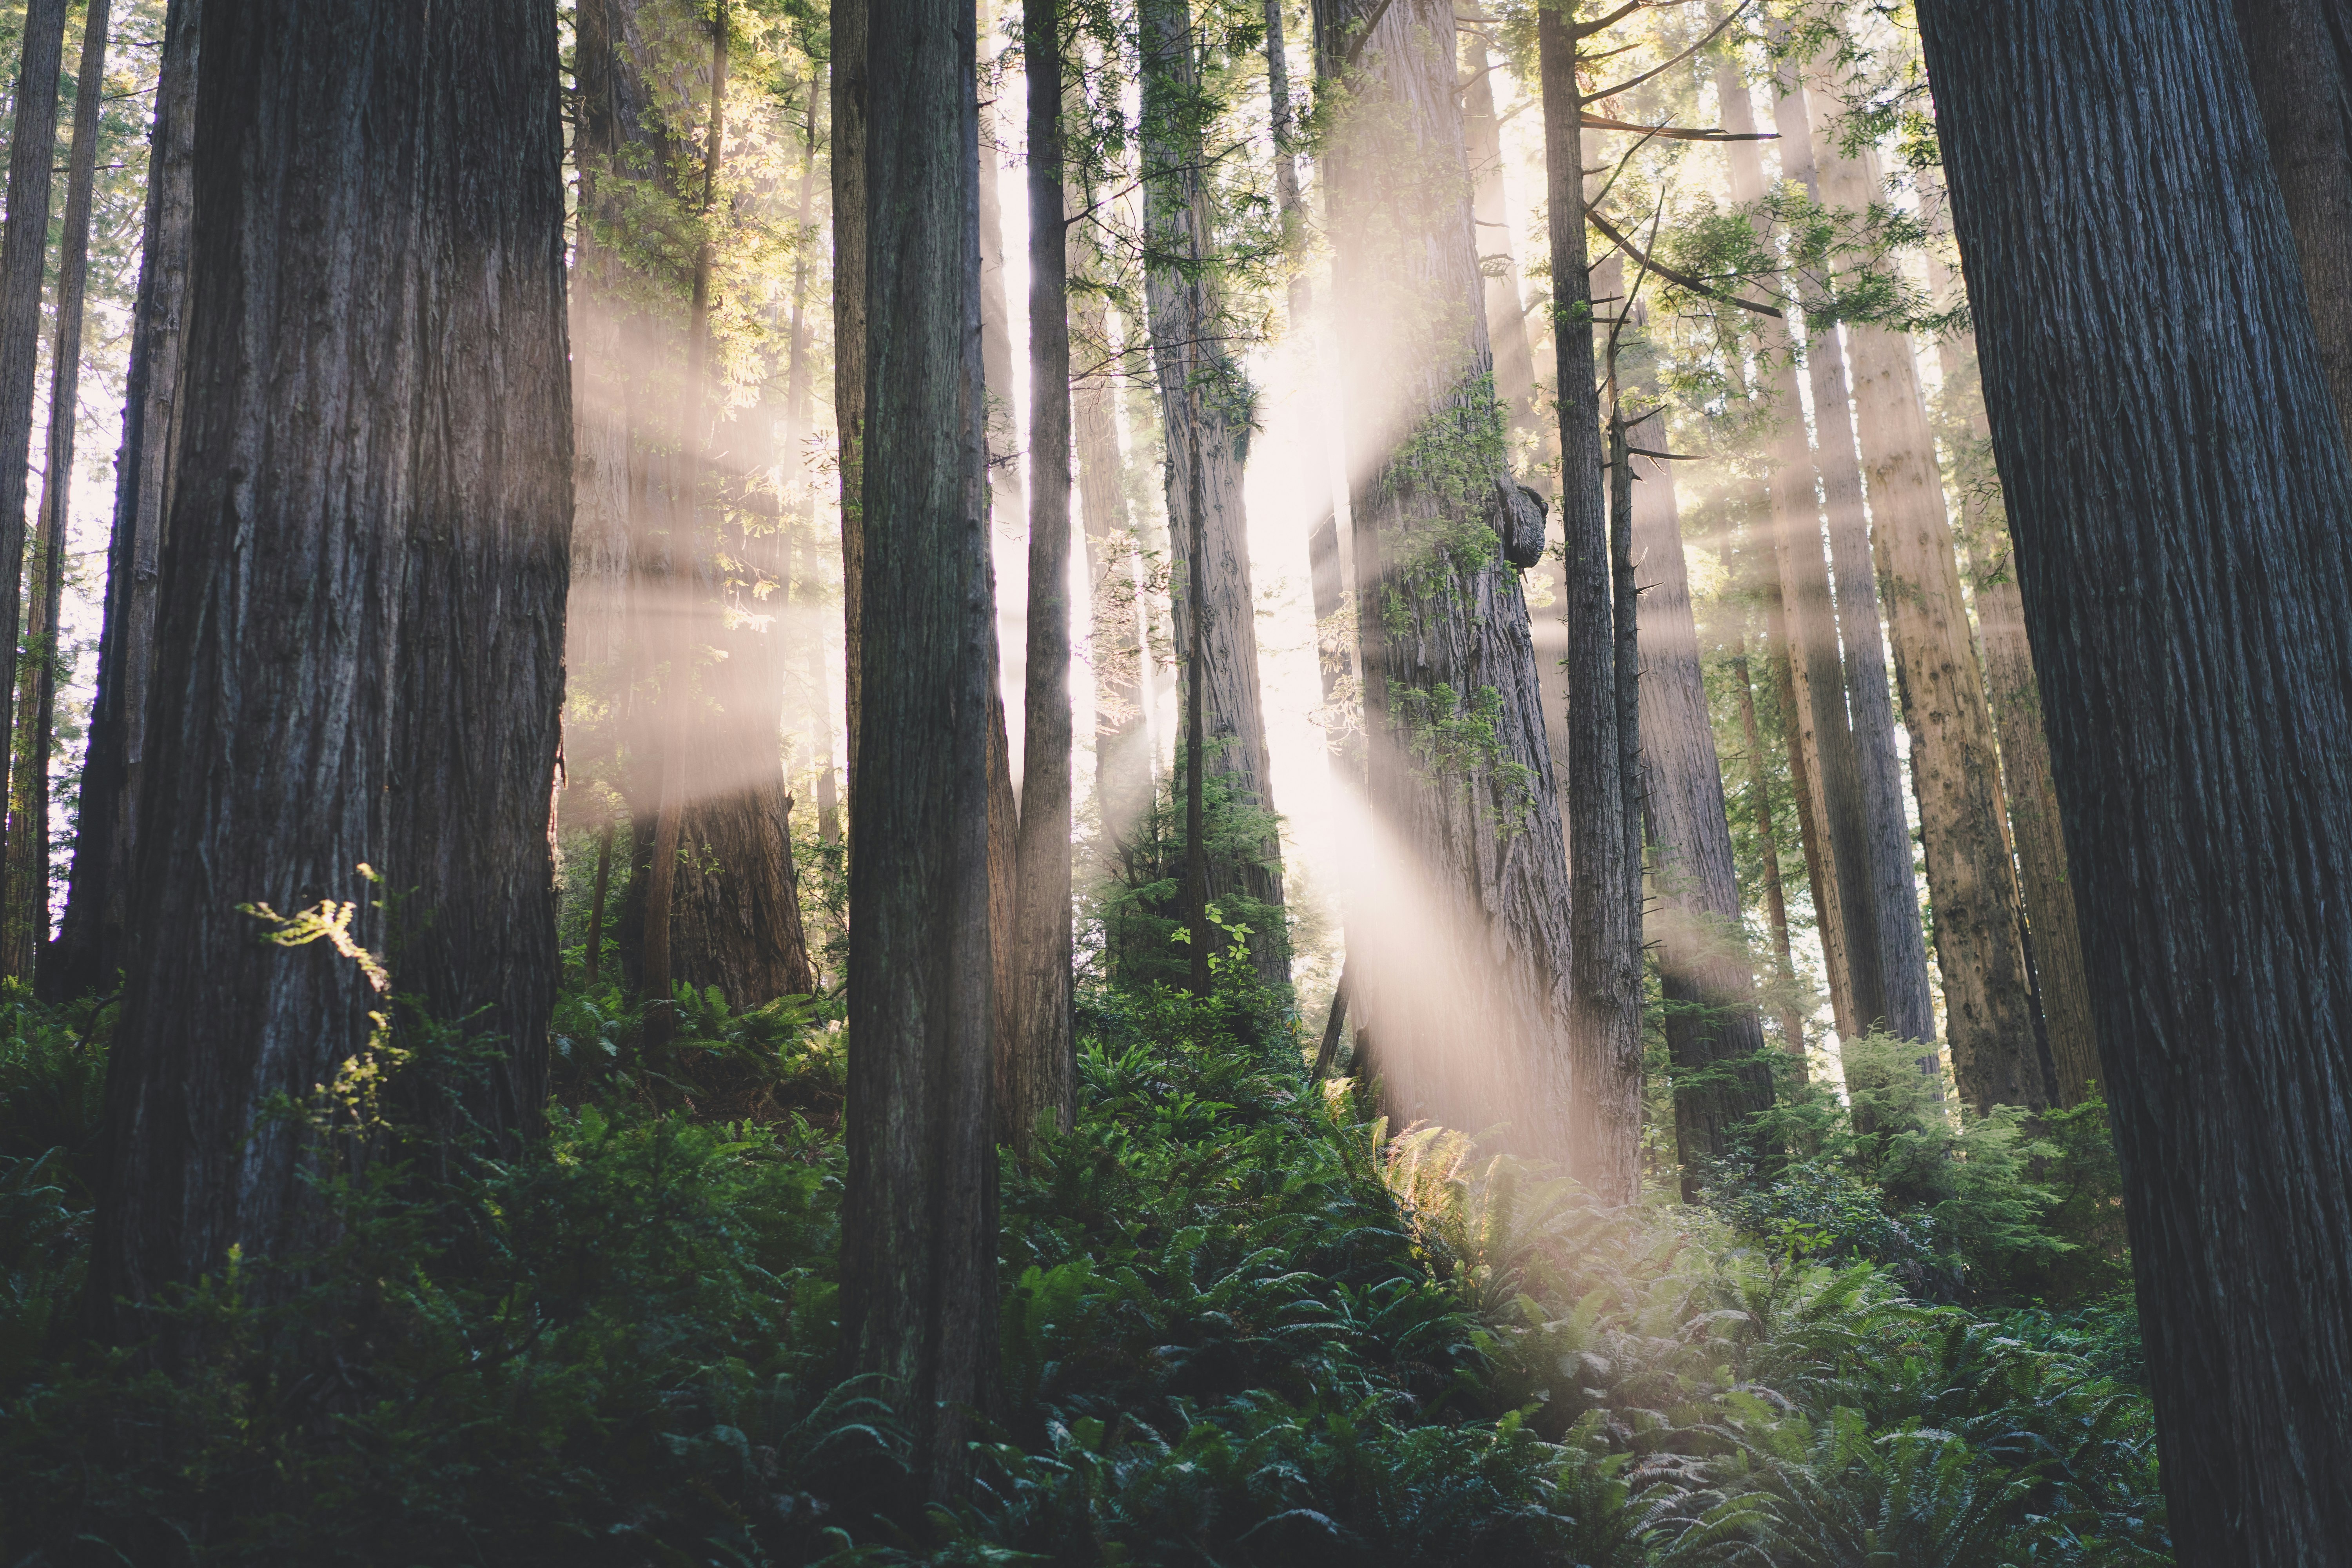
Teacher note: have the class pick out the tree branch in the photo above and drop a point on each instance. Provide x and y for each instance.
(1676, 133)
(1673, 275)
(1729, 17)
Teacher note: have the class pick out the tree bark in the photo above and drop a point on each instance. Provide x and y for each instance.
(2299, 55)
(2184, 572)
(1456, 960)
(1714, 1033)
(359, 663)
(24, 255)
(1207, 427)
(919, 1251)
(1955, 766)
(26, 927)
(1506, 316)
(1888, 897)
(88, 952)
(1776, 902)
(1039, 1075)
(1114, 646)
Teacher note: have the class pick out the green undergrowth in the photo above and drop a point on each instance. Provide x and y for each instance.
(1242, 1323)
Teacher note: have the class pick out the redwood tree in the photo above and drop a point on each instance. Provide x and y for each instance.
(2182, 558)
(358, 662)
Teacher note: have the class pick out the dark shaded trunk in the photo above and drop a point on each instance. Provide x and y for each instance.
(595, 944)
(24, 257)
(1715, 1036)
(2299, 58)
(1203, 407)
(88, 952)
(1886, 900)
(408, 169)
(1037, 1070)
(2184, 572)
(1604, 861)
(26, 914)
(918, 1303)
(1458, 931)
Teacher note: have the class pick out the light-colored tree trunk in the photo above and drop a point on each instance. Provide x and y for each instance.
(1506, 319)
(1955, 766)
(1115, 645)
(1776, 901)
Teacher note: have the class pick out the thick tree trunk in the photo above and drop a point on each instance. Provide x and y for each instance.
(360, 662)
(27, 913)
(919, 1251)
(1506, 316)
(2184, 572)
(848, 168)
(24, 255)
(1207, 428)
(88, 952)
(1714, 1034)
(1955, 766)
(2299, 55)
(1038, 1075)
(1456, 960)
(1889, 897)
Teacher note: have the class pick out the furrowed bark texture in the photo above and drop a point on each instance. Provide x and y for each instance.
(1456, 965)
(1714, 1034)
(1039, 1075)
(24, 255)
(360, 660)
(1198, 397)
(1954, 764)
(918, 1251)
(848, 168)
(2299, 55)
(1889, 898)
(27, 923)
(89, 948)
(2183, 565)
(1821, 754)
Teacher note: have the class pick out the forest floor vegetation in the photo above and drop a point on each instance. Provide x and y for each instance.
(1244, 1322)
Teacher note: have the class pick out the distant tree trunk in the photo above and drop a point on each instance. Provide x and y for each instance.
(2053, 934)
(918, 1213)
(1889, 897)
(1955, 766)
(89, 951)
(1776, 902)
(2299, 56)
(23, 255)
(1039, 1074)
(1506, 316)
(1712, 1031)
(680, 620)
(1007, 500)
(409, 169)
(1845, 892)
(28, 884)
(1123, 759)
(1205, 423)
(847, 166)
(1456, 967)
(2184, 570)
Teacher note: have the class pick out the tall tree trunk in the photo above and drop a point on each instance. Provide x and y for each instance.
(851, 75)
(1208, 430)
(1039, 1074)
(1114, 653)
(1889, 896)
(1776, 902)
(1714, 1034)
(24, 255)
(343, 675)
(2299, 53)
(680, 615)
(1506, 316)
(26, 914)
(918, 1213)
(1955, 766)
(1846, 895)
(2184, 572)
(89, 951)
(1456, 967)
(1008, 503)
